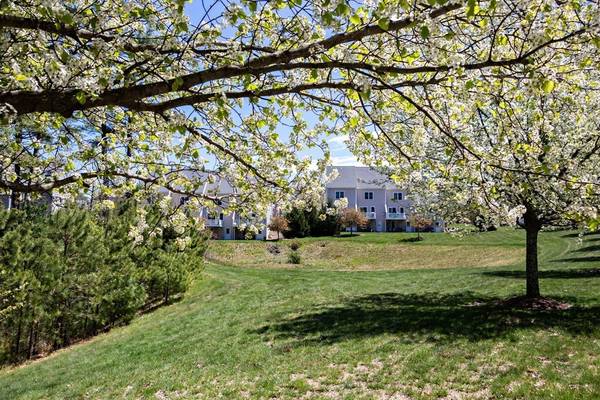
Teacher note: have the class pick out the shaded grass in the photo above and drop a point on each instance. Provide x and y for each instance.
(288, 333)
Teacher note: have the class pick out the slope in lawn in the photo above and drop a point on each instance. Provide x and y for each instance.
(369, 251)
(395, 334)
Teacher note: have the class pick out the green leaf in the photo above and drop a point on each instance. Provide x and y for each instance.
(355, 19)
(384, 23)
(81, 97)
(314, 74)
(424, 32)
(548, 86)
(20, 77)
(177, 83)
(69, 166)
(342, 9)
(471, 8)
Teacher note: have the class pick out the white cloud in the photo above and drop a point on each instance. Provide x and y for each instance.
(345, 160)
(337, 142)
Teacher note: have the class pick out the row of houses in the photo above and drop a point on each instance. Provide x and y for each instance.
(386, 205)
(226, 225)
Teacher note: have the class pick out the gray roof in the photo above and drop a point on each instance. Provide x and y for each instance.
(359, 178)
(214, 184)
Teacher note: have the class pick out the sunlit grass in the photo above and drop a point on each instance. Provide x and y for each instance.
(318, 332)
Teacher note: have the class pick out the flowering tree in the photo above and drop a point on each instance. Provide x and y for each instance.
(351, 218)
(420, 222)
(517, 149)
(121, 95)
(279, 224)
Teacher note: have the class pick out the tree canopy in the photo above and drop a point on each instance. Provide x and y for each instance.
(122, 95)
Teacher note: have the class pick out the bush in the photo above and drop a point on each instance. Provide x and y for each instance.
(273, 249)
(294, 258)
(298, 224)
(294, 245)
(302, 223)
(68, 275)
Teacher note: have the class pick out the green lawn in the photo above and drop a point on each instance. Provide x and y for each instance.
(337, 328)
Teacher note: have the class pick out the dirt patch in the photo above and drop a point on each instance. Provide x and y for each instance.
(534, 303)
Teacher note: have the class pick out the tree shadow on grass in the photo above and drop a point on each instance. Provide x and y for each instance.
(585, 249)
(576, 234)
(579, 259)
(430, 317)
(549, 274)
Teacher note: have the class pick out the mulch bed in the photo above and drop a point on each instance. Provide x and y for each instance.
(534, 303)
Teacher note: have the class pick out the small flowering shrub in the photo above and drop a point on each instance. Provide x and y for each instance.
(68, 275)
(294, 245)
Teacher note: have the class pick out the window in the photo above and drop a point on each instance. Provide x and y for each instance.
(372, 209)
(392, 210)
(398, 196)
(339, 195)
(401, 210)
(221, 216)
(183, 200)
(227, 231)
(363, 209)
(368, 195)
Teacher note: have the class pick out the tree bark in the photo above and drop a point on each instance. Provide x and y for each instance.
(31, 342)
(532, 228)
(17, 348)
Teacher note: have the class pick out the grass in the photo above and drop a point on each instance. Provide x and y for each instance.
(389, 330)
(386, 251)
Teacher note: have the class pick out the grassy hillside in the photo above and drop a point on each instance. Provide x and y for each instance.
(423, 325)
(376, 251)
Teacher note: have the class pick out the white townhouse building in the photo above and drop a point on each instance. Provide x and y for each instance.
(223, 223)
(386, 205)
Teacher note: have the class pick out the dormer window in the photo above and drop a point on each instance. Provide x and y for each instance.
(398, 196)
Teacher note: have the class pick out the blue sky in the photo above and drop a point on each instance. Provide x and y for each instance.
(340, 155)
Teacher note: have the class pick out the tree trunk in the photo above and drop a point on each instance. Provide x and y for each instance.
(17, 348)
(31, 343)
(532, 228)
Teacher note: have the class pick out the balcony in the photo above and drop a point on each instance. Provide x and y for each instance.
(396, 216)
(214, 222)
(370, 215)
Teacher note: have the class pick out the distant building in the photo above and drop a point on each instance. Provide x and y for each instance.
(386, 205)
(45, 199)
(225, 224)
